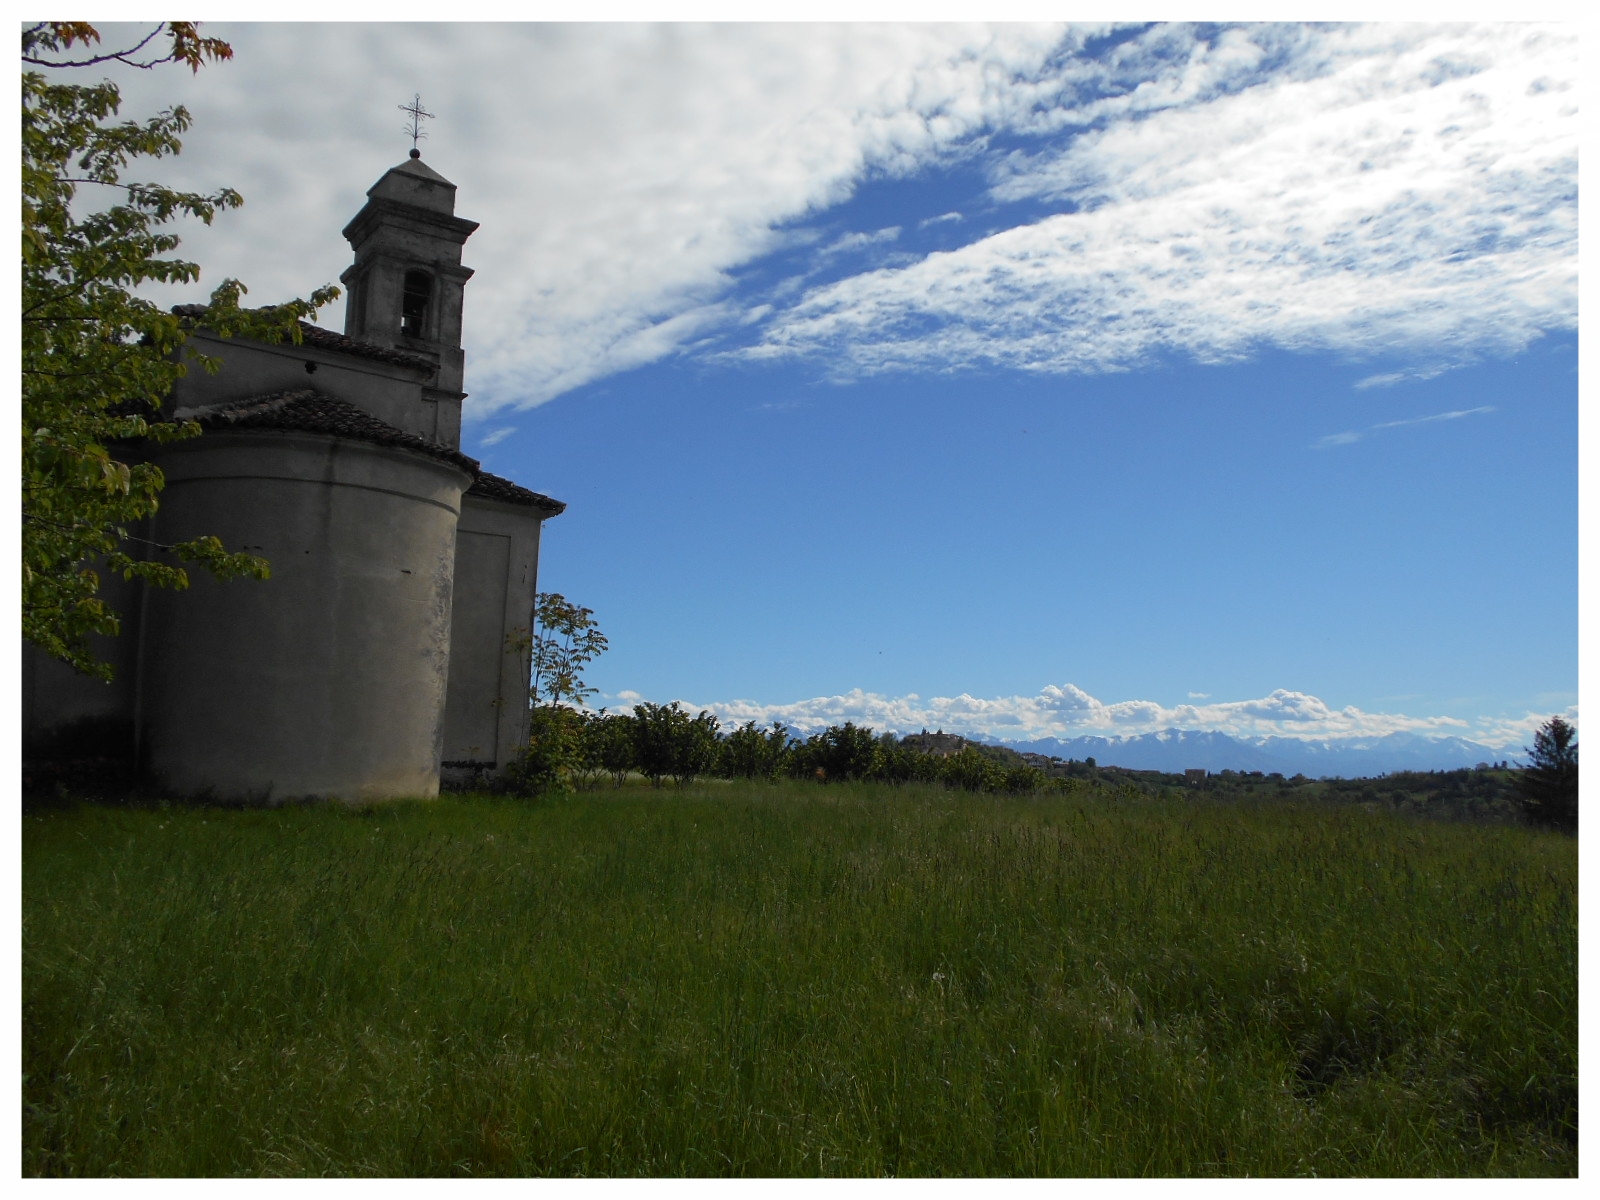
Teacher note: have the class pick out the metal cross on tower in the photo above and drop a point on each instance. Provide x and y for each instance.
(418, 115)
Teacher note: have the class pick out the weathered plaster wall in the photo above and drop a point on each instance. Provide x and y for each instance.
(388, 391)
(329, 679)
(497, 578)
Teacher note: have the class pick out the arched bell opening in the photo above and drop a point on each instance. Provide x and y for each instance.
(414, 304)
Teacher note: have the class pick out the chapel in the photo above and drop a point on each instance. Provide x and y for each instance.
(389, 649)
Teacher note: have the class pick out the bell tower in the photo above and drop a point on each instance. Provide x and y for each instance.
(405, 288)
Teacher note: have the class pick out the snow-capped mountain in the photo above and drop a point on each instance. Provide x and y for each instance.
(1350, 757)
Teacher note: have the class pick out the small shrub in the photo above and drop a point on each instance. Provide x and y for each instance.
(553, 738)
(972, 771)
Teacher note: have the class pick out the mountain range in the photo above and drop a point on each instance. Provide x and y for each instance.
(1176, 750)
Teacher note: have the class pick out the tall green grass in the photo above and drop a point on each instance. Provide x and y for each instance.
(795, 980)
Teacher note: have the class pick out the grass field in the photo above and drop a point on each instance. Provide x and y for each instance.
(796, 980)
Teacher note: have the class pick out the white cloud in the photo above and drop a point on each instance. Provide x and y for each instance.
(1375, 188)
(1390, 378)
(619, 171)
(1444, 416)
(1337, 439)
(1518, 731)
(851, 242)
(497, 436)
(1349, 436)
(1065, 711)
(1378, 190)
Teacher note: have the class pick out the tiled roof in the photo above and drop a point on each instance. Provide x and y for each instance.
(492, 487)
(310, 411)
(327, 339)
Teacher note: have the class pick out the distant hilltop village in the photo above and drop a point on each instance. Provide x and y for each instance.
(390, 645)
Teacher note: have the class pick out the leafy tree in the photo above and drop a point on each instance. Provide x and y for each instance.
(901, 761)
(668, 741)
(565, 641)
(614, 732)
(97, 361)
(587, 763)
(752, 753)
(839, 752)
(605, 746)
(1549, 783)
(561, 739)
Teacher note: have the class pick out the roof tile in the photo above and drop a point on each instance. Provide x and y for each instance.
(310, 411)
(492, 487)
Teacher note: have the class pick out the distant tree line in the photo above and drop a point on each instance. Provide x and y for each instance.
(664, 742)
(571, 746)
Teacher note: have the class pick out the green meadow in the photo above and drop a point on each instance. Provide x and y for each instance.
(793, 979)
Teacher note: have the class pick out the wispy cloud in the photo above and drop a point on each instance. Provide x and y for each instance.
(854, 242)
(941, 219)
(495, 437)
(1066, 711)
(1359, 189)
(1444, 416)
(1387, 188)
(1415, 374)
(1348, 436)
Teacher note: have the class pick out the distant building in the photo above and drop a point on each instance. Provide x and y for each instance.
(940, 745)
(390, 643)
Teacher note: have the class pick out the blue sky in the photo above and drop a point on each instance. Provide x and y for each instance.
(1021, 380)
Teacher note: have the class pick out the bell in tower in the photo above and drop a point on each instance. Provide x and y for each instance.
(406, 286)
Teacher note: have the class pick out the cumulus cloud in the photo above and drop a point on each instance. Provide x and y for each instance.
(1065, 711)
(1517, 732)
(1359, 189)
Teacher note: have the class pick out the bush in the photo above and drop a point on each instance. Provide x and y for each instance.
(554, 733)
(602, 745)
(973, 771)
(840, 752)
(612, 734)
(1024, 781)
(752, 753)
(668, 741)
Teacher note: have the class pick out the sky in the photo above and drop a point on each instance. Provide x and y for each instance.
(1020, 380)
